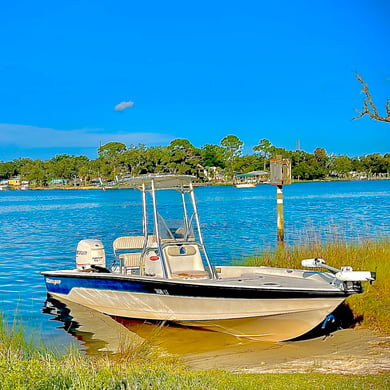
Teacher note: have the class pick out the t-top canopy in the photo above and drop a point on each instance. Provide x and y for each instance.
(161, 182)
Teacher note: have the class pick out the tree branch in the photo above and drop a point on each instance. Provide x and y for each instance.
(369, 107)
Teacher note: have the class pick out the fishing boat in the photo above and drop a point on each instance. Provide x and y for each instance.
(245, 185)
(166, 275)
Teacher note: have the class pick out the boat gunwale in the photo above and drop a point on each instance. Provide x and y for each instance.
(216, 284)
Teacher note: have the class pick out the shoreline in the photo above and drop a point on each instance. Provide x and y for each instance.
(124, 187)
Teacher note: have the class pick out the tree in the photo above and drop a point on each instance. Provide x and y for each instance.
(184, 158)
(375, 163)
(233, 149)
(369, 107)
(264, 148)
(320, 163)
(302, 170)
(320, 154)
(341, 165)
(35, 171)
(304, 165)
(212, 156)
(133, 160)
(86, 169)
(7, 170)
(156, 159)
(248, 163)
(109, 159)
(111, 150)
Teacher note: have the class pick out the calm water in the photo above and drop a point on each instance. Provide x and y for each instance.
(40, 229)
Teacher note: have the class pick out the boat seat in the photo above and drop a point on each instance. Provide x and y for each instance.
(130, 260)
(185, 261)
(187, 250)
(133, 242)
(133, 246)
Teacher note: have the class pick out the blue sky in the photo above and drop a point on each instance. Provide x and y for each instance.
(201, 70)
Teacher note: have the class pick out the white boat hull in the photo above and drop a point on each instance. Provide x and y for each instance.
(264, 319)
(245, 185)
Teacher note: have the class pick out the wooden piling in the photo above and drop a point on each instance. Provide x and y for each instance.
(280, 212)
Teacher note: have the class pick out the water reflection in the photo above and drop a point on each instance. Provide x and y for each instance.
(95, 331)
(98, 332)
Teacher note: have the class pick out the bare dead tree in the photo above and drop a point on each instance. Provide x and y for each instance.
(369, 107)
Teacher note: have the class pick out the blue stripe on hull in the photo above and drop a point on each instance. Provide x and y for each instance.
(64, 285)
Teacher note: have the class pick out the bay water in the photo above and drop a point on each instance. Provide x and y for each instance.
(39, 230)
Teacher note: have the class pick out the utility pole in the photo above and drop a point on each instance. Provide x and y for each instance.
(280, 174)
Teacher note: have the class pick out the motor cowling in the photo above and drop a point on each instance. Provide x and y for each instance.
(90, 252)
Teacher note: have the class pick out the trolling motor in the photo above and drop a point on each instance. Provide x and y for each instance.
(345, 274)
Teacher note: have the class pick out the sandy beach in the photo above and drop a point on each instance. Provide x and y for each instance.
(348, 351)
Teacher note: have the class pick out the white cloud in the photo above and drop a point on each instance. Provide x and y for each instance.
(123, 105)
(30, 137)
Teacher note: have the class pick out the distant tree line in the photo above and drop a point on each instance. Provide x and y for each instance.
(208, 163)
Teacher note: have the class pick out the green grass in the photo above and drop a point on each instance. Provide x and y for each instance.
(367, 255)
(25, 367)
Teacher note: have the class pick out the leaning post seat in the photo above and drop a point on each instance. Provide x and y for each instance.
(128, 249)
(185, 261)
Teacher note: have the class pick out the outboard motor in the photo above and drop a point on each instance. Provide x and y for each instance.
(90, 253)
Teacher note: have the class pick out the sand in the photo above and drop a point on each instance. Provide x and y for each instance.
(347, 351)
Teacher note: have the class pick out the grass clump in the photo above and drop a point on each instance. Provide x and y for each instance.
(367, 255)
